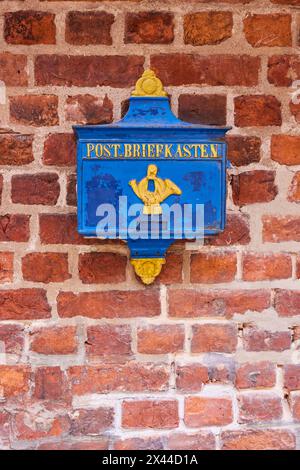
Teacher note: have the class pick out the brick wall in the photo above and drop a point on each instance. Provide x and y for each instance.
(209, 356)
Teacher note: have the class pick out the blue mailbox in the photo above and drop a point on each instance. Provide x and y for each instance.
(150, 179)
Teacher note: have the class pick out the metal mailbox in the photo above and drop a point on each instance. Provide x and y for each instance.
(150, 178)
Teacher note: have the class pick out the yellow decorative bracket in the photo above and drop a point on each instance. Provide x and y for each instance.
(149, 85)
(147, 268)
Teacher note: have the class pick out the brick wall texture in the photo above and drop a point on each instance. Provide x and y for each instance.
(208, 357)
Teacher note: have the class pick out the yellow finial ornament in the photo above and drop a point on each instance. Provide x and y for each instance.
(149, 85)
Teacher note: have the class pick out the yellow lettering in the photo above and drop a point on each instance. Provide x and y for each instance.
(136, 150)
(187, 150)
(168, 150)
(204, 153)
(90, 148)
(116, 148)
(143, 150)
(127, 150)
(151, 150)
(214, 150)
(179, 151)
(159, 148)
(106, 150)
(99, 150)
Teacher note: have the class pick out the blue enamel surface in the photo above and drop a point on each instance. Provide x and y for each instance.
(102, 179)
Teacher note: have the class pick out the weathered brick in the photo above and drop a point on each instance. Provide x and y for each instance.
(75, 70)
(149, 27)
(294, 189)
(287, 302)
(236, 232)
(171, 272)
(214, 338)
(29, 27)
(160, 339)
(150, 414)
(131, 377)
(295, 407)
(89, 27)
(49, 383)
(12, 340)
(107, 268)
(139, 443)
(5, 429)
(34, 110)
(281, 228)
(15, 149)
(258, 439)
(6, 266)
(71, 190)
(193, 303)
(210, 268)
(291, 374)
(216, 70)
(243, 150)
(253, 187)
(266, 266)
(14, 380)
(54, 340)
(204, 411)
(268, 30)
(35, 424)
(89, 109)
(14, 228)
(256, 339)
(257, 111)
(283, 69)
(110, 304)
(211, 27)
(200, 441)
(41, 188)
(256, 375)
(203, 109)
(295, 109)
(62, 229)
(91, 422)
(191, 377)
(45, 267)
(259, 408)
(13, 69)
(24, 304)
(108, 340)
(60, 150)
(95, 444)
(285, 149)
(221, 368)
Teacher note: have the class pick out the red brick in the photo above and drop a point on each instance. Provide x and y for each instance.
(150, 414)
(283, 69)
(203, 109)
(54, 340)
(35, 424)
(41, 188)
(12, 339)
(281, 228)
(292, 376)
(295, 407)
(243, 150)
(236, 232)
(211, 27)
(97, 268)
(91, 422)
(89, 109)
(221, 368)
(287, 302)
(99, 444)
(160, 339)
(149, 27)
(14, 228)
(34, 110)
(89, 27)
(210, 268)
(256, 439)
(191, 377)
(5, 429)
(171, 272)
(217, 70)
(13, 69)
(139, 443)
(49, 383)
(29, 27)
(6, 266)
(71, 190)
(257, 110)
(259, 408)
(295, 109)
(268, 30)
(15, 149)
(14, 380)
(24, 304)
(298, 267)
(253, 187)
(204, 411)
(286, 2)
(262, 266)
(107, 340)
(256, 375)
(214, 338)
(130, 377)
(45, 267)
(294, 189)
(110, 304)
(75, 70)
(200, 441)
(192, 303)
(60, 150)
(285, 149)
(256, 339)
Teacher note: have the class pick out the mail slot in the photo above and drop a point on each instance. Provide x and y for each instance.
(150, 179)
